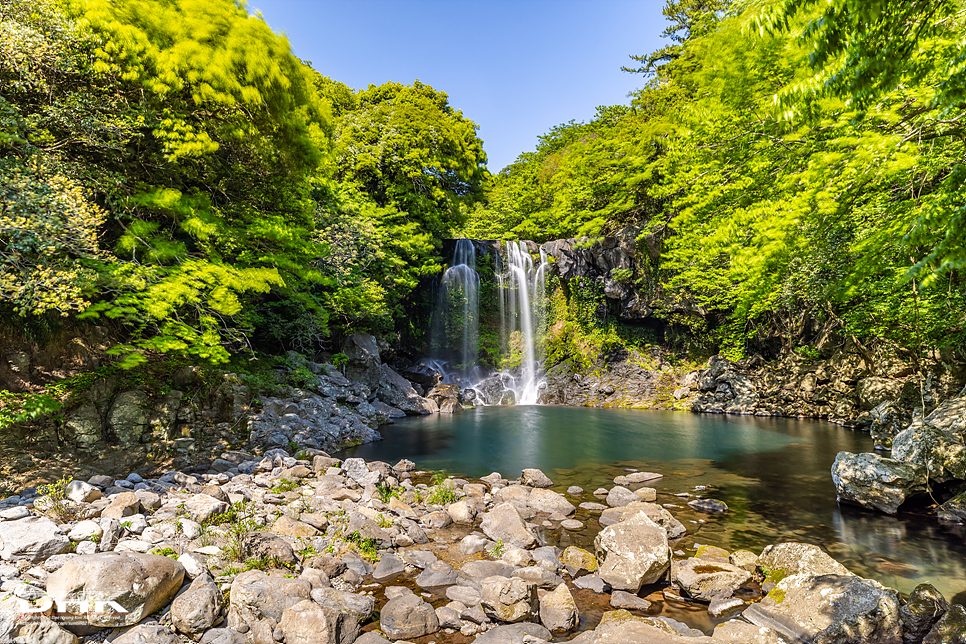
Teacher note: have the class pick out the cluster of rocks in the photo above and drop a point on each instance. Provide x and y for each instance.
(879, 392)
(928, 458)
(317, 550)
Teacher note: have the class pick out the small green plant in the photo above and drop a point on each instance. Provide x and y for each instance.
(383, 521)
(308, 551)
(58, 505)
(165, 552)
(293, 447)
(439, 477)
(386, 493)
(284, 485)
(95, 538)
(443, 495)
(339, 360)
(622, 275)
(125, 524)
(807, 352)
(498, 550)
(367, 548)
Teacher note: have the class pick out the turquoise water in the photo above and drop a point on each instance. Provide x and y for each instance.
(774, 474)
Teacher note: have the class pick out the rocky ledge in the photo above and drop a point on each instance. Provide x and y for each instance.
(318, 550)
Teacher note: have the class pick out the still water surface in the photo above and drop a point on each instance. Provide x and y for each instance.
(773, 473)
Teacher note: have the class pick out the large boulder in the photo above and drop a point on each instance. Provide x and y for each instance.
(950, 629)
(558, 610)
(408, 616)
(197, 609)
(129, 417)
(633, 552)
(621, 627)
(792, 558)
(940, 451)
(398, 392)
(504, 523)
(710, 580)
(887, 421)
(876, 482)
(509, 599)
(873, 391)
(128, 586)
(830, 609)
(550, 502)
(925, 607)
(255, 596)
(32, 538)
(514, 634)
(305, 622)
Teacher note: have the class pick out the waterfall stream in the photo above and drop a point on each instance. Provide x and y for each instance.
(523, 312)
(456, 323)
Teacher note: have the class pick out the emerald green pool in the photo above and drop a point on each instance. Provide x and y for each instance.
(773, 473)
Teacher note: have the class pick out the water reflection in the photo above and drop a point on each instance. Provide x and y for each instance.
(773, 474)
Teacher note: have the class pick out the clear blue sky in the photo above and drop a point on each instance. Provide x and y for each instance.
(515, 67)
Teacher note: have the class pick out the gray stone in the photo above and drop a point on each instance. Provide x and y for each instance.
(308, 623)
(633, 552)
(129, 417)
(32, 539)
(791, 558)
(558, 610)
(539, 575)
(85, 426)
(591, 582)
(535, 478)
(721, 607)
(514, 634)
(139, 583)
(876, 482)
(950, 629)
(658, 515)
(147, 634)
(360, 607)
(437, 575)
(266, 545)
(830, 608)
(123, 505)
(472, 544)
(255, 596)
(504, 523)
(925, 607)
(550, 502)
(466, 595)
(709, 580)
(203, 507)
(509, 599)
(619, 496)
(448, 617)
(222, 636)
(81, 492)
(198, 608)
(388, 568)
(938, 450)
(874, 390)
(408, 617)
(372, 637)
(622, 599)
(711, 506)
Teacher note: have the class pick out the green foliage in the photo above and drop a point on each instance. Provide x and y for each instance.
(807, 352)
(443, 494)
(366, 547)
(285, 485)
(55, 503)
(386, 493)
(18, 408)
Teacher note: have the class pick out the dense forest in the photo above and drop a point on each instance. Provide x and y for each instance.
(802, 162)
(171, 171)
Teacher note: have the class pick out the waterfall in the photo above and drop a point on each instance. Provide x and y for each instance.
(522, 303)
(456, 324)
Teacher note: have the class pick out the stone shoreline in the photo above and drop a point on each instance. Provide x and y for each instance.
(317, 550)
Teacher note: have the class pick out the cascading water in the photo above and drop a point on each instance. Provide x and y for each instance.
(456, 324)
(522, 298)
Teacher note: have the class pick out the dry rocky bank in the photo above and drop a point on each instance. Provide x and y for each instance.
(317, 550)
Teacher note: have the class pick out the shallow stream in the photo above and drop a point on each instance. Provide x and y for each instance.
(772, 472)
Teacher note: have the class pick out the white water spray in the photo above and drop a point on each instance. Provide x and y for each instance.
(522, 300)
